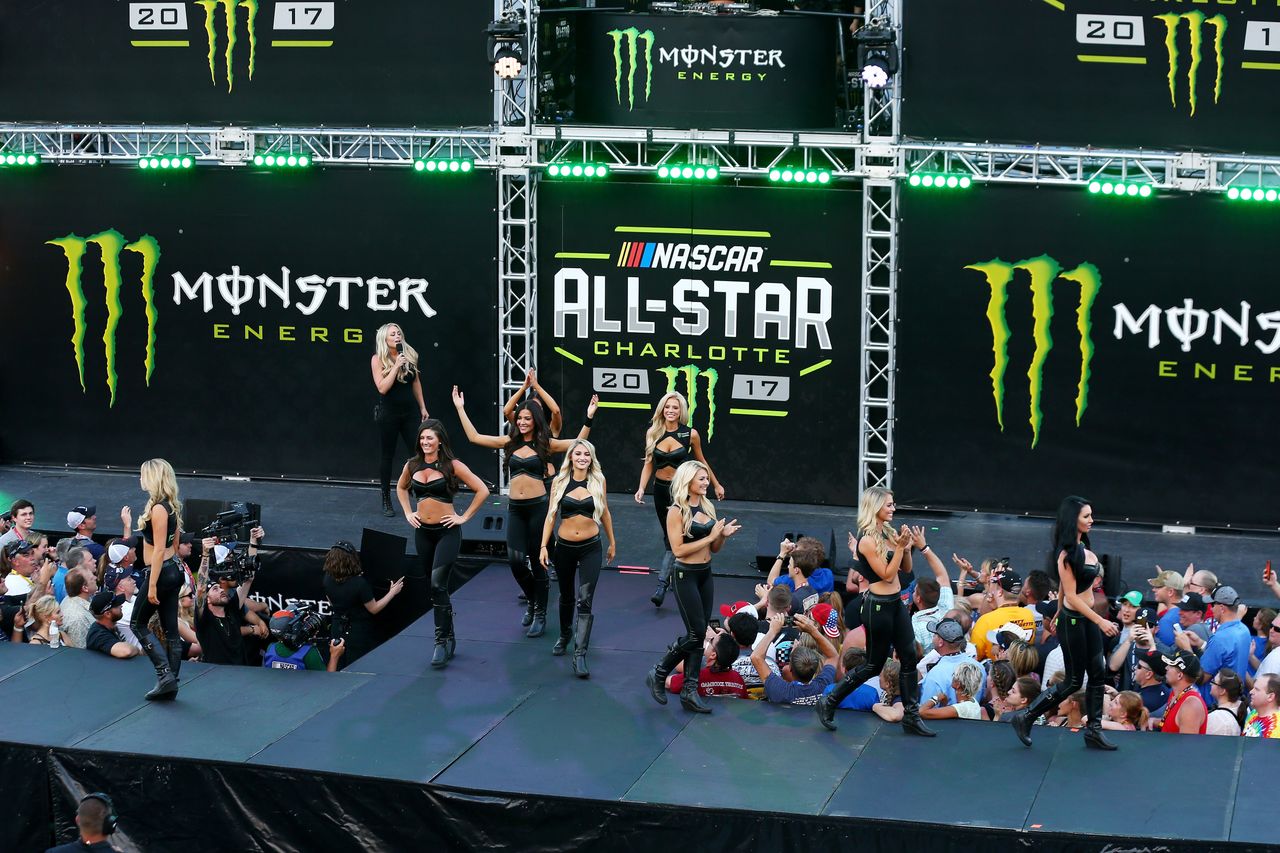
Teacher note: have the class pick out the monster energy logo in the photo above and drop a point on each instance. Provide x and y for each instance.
(1043, 272)
(632, 37)
(110, 243)
(229, 23)
(1195, 24)
(691, 373)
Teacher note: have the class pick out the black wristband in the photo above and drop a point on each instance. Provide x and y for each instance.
(587, 422)
(925, 548)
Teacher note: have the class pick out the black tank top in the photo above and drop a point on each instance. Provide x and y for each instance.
(570, 507)
(698, 529)
(862, 567)
(673, 458)
(400, 394)
(526, 466)
(435, 490)
(148, 531)
(1087, 574)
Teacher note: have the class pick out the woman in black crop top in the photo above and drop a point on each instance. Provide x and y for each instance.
(879, 552)
(578, 495)
(695, 534)
(400, 407)
(527, 455)
(1080, 629)
(432, 477)
(669, 442)
(161, 528)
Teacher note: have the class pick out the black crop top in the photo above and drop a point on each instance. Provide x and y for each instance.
(862, 567)
(148, 533)
(673, 458)
(1087, 574)
(435, 490)
(569, 506)
(528, 466)
(698, 529)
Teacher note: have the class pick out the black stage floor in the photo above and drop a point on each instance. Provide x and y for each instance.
(504, 749)
(313, 515)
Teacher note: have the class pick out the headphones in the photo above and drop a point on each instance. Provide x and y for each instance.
(112, 819)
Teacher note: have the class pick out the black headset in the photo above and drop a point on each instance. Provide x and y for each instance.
(112, 819)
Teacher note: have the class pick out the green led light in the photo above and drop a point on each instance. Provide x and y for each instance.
(686, 172)
(712, 173)
(1246, 194)
(187, 162)
(914, 180)
(432, 165)
(259, 160)
(786, 176)
(465, 166)
(966, 182)
(304, 161)
(292, 161)
(699, 172)
(577, 170)
(454, 165)
(1132, 189)
(1144, 191)
(824, 177)
(1095, 186)
(1233, 193)
(589, 171)
(775, 174)
(419, 166)
(811, 177)
(142, 163)
(953, 182)
(602, 171)
(927, 180)
(1271, 195)
(271, 159)
(663, 172)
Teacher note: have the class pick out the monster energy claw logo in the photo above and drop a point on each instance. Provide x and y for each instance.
(632, 37)
(1043, 271)
(110, 243)
(691, 373)
(1195, 25)
(229, 22)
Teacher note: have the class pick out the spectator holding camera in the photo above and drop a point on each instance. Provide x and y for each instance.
(222, 622)
(296, 632)
(811, 672)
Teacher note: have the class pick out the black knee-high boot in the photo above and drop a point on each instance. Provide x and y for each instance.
(656, 678)
(174, 648)
(386, 504)
(1093, 736)
(166, 684)
(541, 592)
(909, 688)
(1023, 720)
(690, 698)
(664, 579)
(444, 633)
(581, 639)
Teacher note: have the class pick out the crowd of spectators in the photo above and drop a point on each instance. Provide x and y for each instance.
(1187, 658)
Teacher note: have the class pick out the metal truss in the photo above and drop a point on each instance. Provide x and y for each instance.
(880, 107)
(879, 334)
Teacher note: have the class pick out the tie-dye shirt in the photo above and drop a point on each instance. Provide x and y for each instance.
(1262, 725)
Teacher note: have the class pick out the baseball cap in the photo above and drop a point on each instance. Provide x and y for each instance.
(948, 629)
(1133, 597)
(1185, 661)
(187, 538)
(1153, 660)
(1193, 601)
(103, 600)
(280, 620)
(115, 574)
(18, 546)
(118, 551)
(1173, 580)
(1007, 633)
(824, 616)
(726, 610)
(1010, 581)
(1047, 609)
(77, 516)
(782, 652)
(1225, 595)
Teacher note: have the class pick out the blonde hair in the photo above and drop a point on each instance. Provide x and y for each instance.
(384, 353)
(873, 500)
(1132, 710)
(43, 609)
(1023, 657)
(680, 493)
(161, 485)
(595, 479)
(659, 423)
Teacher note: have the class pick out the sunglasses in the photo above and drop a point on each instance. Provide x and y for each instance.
(1275, 627)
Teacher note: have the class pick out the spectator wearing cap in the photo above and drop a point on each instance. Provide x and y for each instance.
(1229, 646)
(717, 677)
(949, 642)
(84, 521)
(1186, 712)
(104, 635)
(1200, 581)
(125, 581)
(18, 566)
(1003, 591)
(1002, 639)
(827, 618)
(932, 598)
(811, 672)
(1263, 719)
(1166, 589)
(76, 618)
(965, 681)
(22, 517)
(1270, 664)
(1192, 618)
(1121, 658)
(744, 626)
(1149, 681)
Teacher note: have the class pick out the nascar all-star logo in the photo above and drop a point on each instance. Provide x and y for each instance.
(1042, 273)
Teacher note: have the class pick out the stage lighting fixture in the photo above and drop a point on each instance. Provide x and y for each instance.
(285, 161)
(798, 175)
(165, 163)
(1253, 194)
(19, 159)
(440, 166)
(877, 55)
(1120, 188)
(939, 181)
(507, 48)
(688, 172)
(577, 170)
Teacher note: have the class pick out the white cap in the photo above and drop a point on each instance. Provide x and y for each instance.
(118, 552)
(1013, 628)
(74, 519)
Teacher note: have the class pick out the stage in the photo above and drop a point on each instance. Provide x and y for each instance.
(504, 749)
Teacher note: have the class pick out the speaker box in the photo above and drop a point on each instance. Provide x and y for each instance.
(484, 537)
(1113, 575)
(382, 556)
(770, 534)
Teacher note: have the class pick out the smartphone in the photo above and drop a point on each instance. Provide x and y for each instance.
(1177, 627)
(1141, 619)
(715, 623)
(1267, 575)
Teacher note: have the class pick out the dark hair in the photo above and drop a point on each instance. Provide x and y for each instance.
(1066, 532)
(1231, 684)
(928, 589)
(20, 504)
(809, 555)
(341, 563)
(541, 434)
(726, 652)
(780, 597)
(852, 658)
(804, 663)
(1003, 677)
(74, 584)
(1028, 687)
(444, 456)
(1039, 582)
(744, 627)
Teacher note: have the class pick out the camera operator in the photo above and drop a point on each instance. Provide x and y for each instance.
(222, 622)
(297, 631)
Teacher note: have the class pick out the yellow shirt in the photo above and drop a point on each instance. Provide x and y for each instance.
(988, 622)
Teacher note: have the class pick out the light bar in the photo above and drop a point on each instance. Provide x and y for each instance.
(577, 170)
(940, 181)
(789, 175)
(440, 167)
(282, 161)
(19, 159)
(1252, 194)
(1120, 188)
(688, 172)
(161, 163)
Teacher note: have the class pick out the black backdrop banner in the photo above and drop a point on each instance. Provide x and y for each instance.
(225, 319)
(1094, 72)
(738, 298)
(706, 71)
(1054, 342)
(321, 62)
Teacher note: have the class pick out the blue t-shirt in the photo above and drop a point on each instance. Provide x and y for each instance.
(777, 689)
(1228, 648)
(939, 678)
(59, 583)
(1164, 628)
(860, 699)
(1259, 651)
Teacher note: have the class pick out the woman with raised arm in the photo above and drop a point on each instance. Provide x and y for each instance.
(432, 477)
(879, 552)
(400, 408)
(695, 534)
(527, 451)
(551, 409)
(163, 576)
(1080, 629)
(668, 443)
(578, 496)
